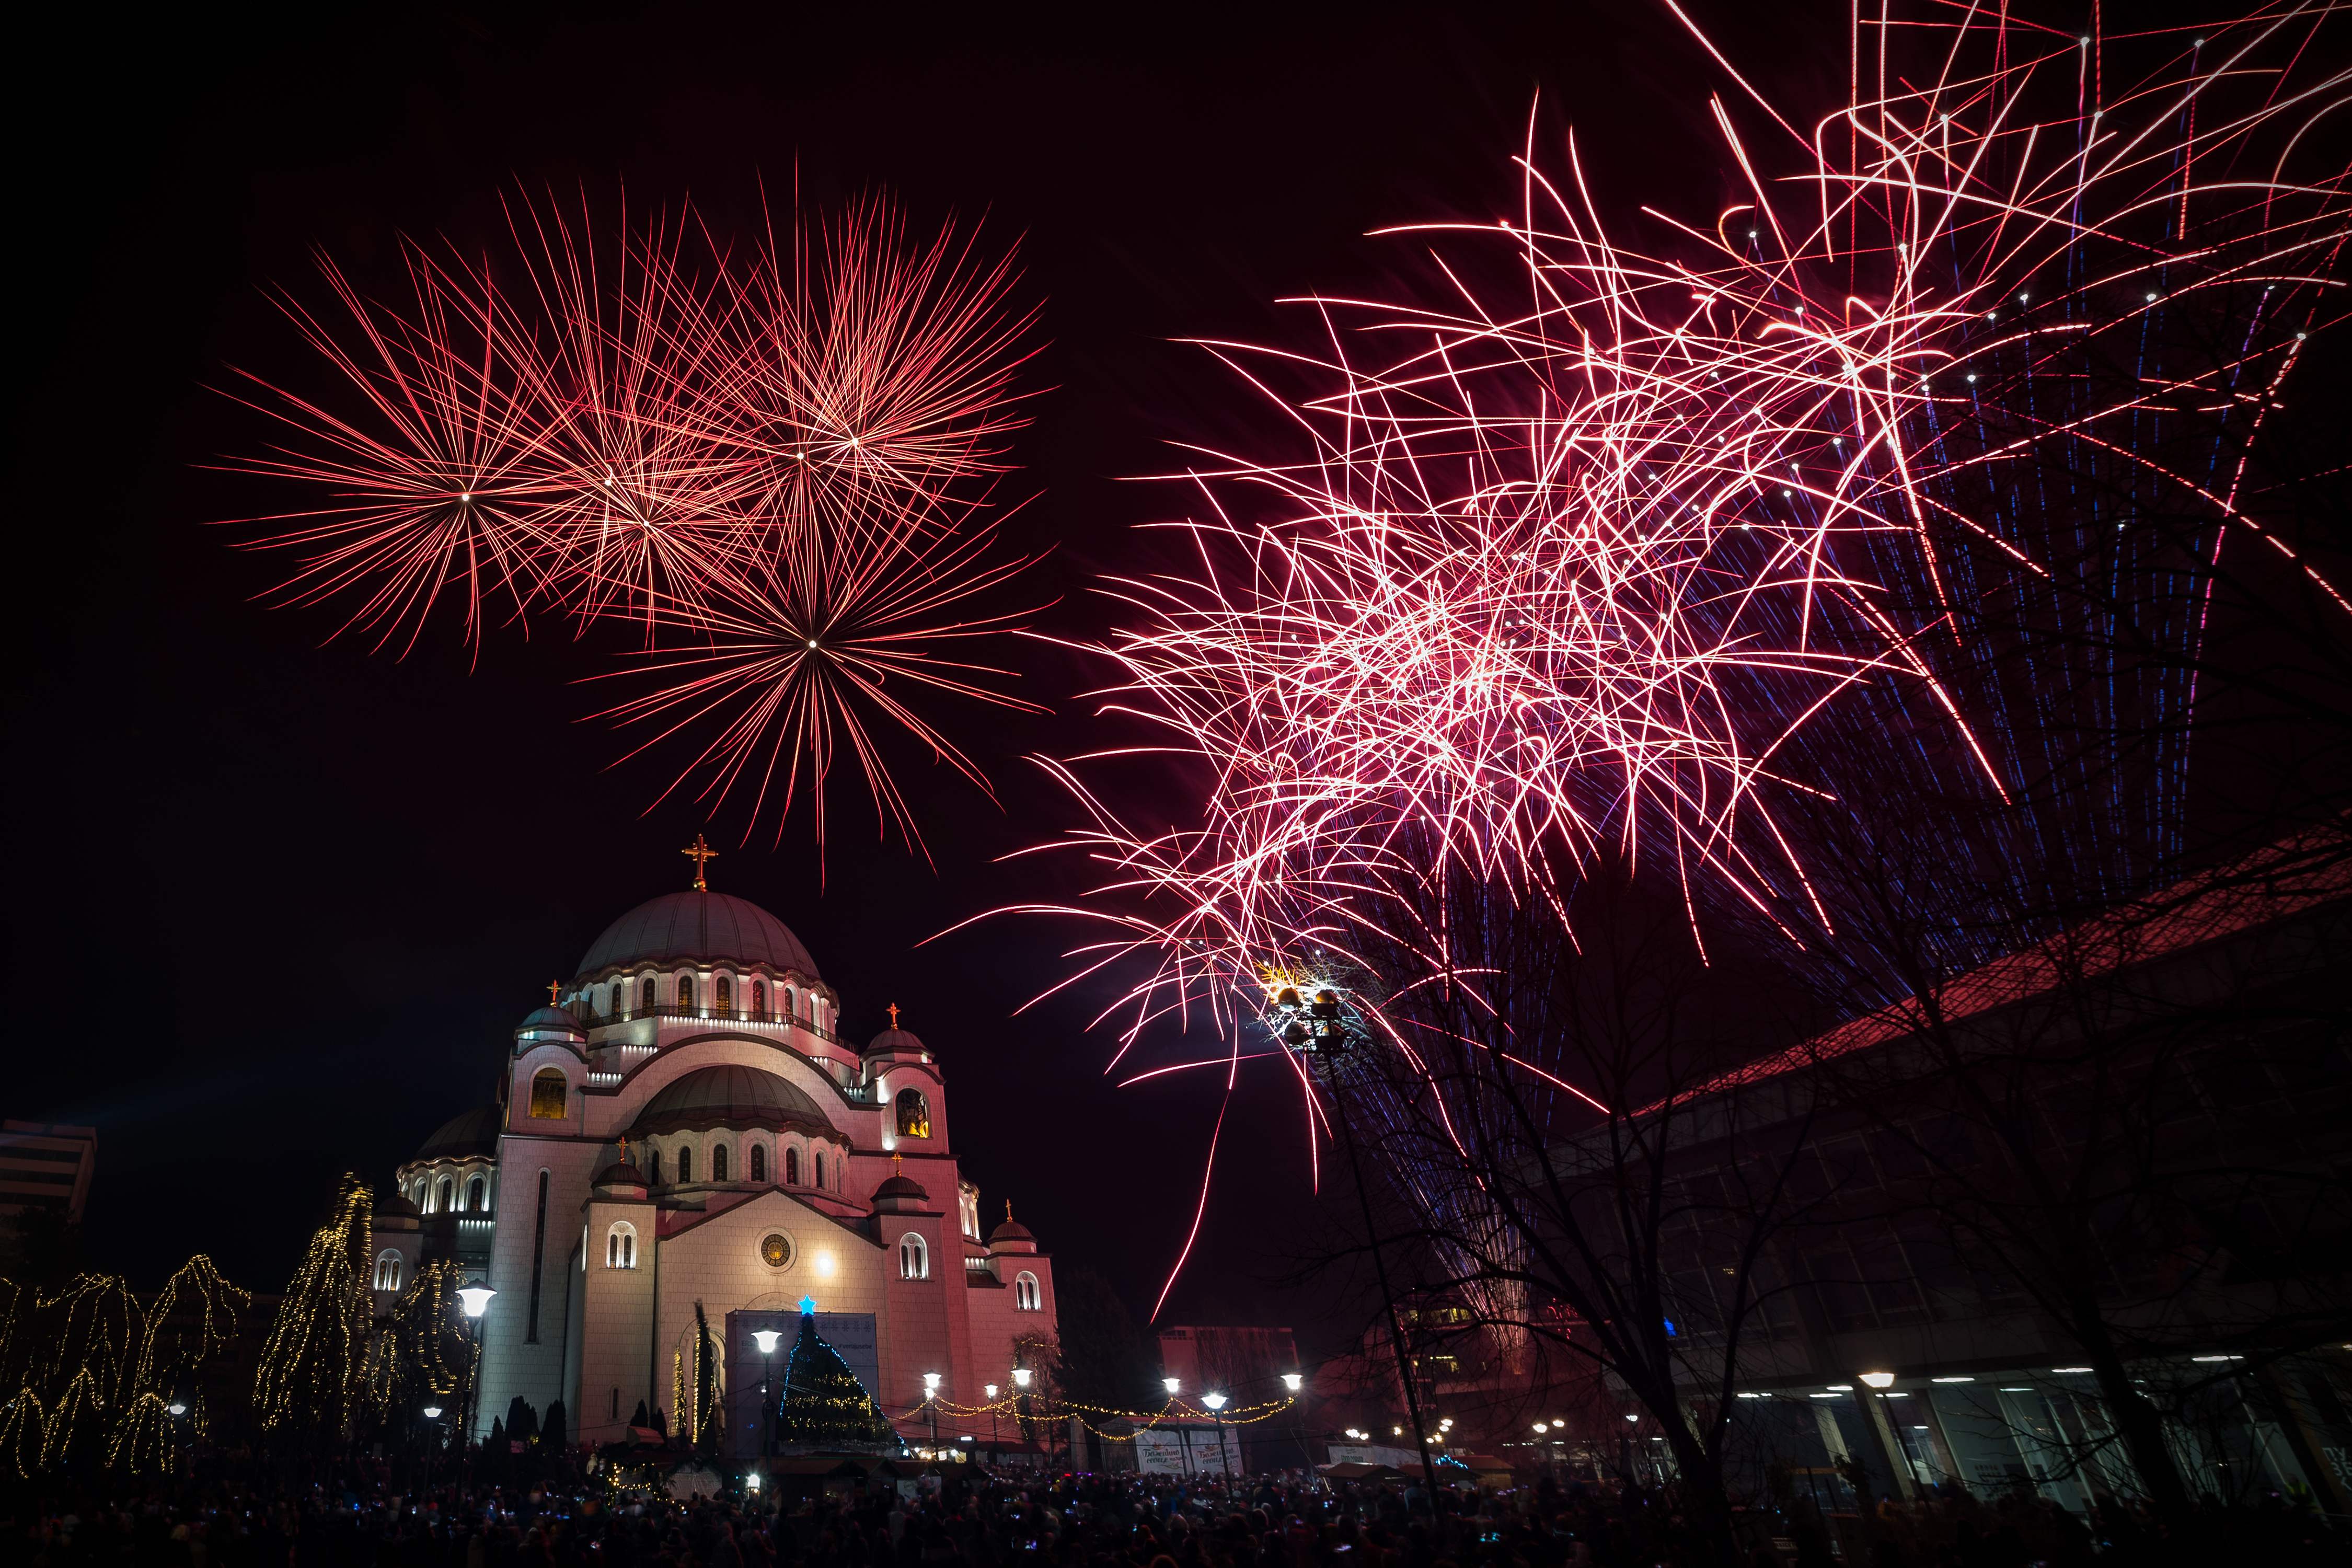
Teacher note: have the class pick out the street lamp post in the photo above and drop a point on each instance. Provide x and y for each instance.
(931, 1400)
(994, 1456)
(1021, 1396)
(766, 1340)
(1216, 1403)
(476, 1299)
(1182, 1436)
(1292, 1383)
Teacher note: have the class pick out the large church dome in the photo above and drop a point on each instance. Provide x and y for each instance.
(693, 925)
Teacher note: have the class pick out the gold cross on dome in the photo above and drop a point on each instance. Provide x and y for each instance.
(555, 993)
(893, 1010)
(701, 854)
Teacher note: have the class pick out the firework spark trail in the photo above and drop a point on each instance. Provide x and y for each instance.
(780, 472)
(1576, 566)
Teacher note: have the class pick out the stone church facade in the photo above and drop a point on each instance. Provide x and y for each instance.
(683, 1123)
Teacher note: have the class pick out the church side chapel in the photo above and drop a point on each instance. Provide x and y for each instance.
(684, 1154)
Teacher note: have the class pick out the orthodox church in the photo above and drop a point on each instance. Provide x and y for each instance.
(682, 1126)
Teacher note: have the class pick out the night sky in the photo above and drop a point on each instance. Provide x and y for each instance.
(276, 901)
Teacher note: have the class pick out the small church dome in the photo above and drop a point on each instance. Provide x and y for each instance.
(897, 1195)
(476, 1133)
(729, 1096)
(620, 1173)
(1010, 1231)
(549, 1020)
(890, 1040)
(702, 926)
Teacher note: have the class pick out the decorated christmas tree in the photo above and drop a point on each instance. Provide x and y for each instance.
(823, 1402)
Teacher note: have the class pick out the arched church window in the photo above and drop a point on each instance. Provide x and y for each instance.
(791, 1167)
(686, 990)
(477, 1196)
(653, 1166)
(446, 1198)
(818, 1156)
(1025, 1296)
(549, 1094)
(621, 1245)
(722, 996)
(648, 992)
(759, 1000)
(914, 1114)
(718, 1162)
(758, 1164)
(914, 1258)
(686, 1164)
(387, 1271)
(791, 999)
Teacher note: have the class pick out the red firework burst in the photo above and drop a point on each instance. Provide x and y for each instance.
(1569, 562)
(780, 473)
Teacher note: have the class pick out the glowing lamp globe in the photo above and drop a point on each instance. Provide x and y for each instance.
(476, 1300)
(1213, 1401)
(433, 1412)
(766, 1340)
(930, 1382)
(1294, 1381)
(1171, 1385)
(177, 1408)
(1879, 1379)
(988, 1389)
(1019, 1378)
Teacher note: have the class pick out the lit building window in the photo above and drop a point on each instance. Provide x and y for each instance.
(648, 992)
(759, 1000)
(758, 1164)
(718, 1162)
(791, 1167)
(549, 1094)
(914, 1258)
(477, 1194)
(387, 1271)
(914, 1114)
(445, 1197)
(722, 996)
(686, 990)
(1025, 1295)
(621, 1245)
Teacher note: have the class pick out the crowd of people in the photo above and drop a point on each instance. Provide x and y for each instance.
(375, 1514)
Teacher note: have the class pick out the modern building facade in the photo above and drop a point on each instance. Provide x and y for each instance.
(45, 1165)
(682, 1126)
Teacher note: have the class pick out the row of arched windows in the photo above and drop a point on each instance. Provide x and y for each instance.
(627, 996)
(443, 1195)
(683, 1165)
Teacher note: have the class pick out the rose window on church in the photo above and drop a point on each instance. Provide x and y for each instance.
(776, 1249)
